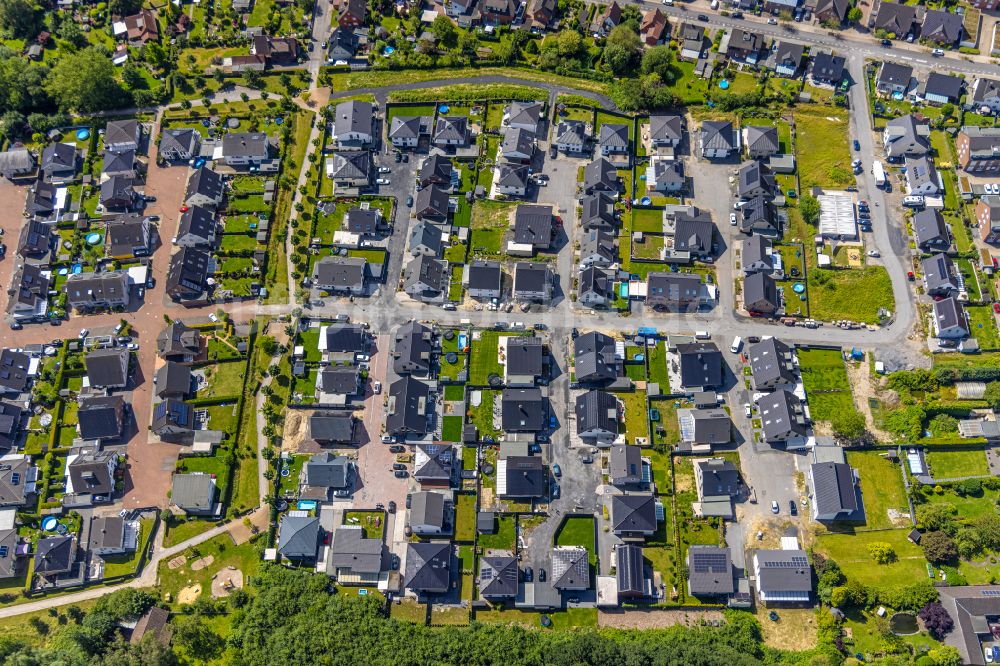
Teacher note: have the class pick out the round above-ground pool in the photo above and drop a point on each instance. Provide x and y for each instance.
(798, 287)
(724, 84)
(93, 238)
(82, 135)
(444, 108)
(897, 96)
(279, 121)
(903, 624)
(49, 523)
(77, 268)
(645, 201)
(63, 271)
(389, 50)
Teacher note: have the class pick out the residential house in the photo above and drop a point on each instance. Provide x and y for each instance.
(783, 576)
(532, 282)
(787, 59)
(431, 514)
(204, 188)
(666, 131)
(428, 567)
(108, 368)
(654, 27)
(613, 139)
(950, 320)
(35, 240)
(119, 163)
(521, 477)
(118, 193)
(608, 20)
(11, 425)
(355, 559)
(701, 365)
(757, 255)
(665, 176)
(526, 116)
(196, 228)
(432, 203)
(413, 349)
(172, 419)
(40, 203)
(343, 44)
(11, 557)
(28, 294)
(633, 516)
(194, 494)
(436, 170)
(599, 249)
(761, 141)
(55, 556)
(102, 417)
(181, 144)
(895, 19)
(17, 163)
(539, 14)
(942, 88)
(498, 577)
(326, 475)
(299, 537)
(112, 535)
(408, 408)
(718, 139)
(675, 292)
(772, 364)
(782, 416)
(426, 239)
(710, 571)
(498, 12)
(829, 11)
(939, 275)
(834, 492)
(354, 124)
(595, 287)
(701, 428)
(18, 477)
(692, 41)
(973, 611)
(570, 568)
(333, 429)
(601, 176)
(349, 170)
(922, 178)
(988, 218)
(524, 360)
(718, 483)
(744, 46)
(90, 476)
(483, 279)
(178, 342)
(16, 370)
(760, 216)
(572, 136)
(533, 226)
(979, 149)
(187, 276)
(451, 131)
(907, 136)
(341, 338)
(433, 464)
(942, 27)
(624, 464)
(694, 234)
(427, 279)
(930, 231)
(984, 96)
(598, 213)
(351, 13)
(523, 410)
(129, 236)
(597, 417)
(596, 359)
(245, 149)
(756, 179)
(120, 135)
(339, 380)
(517, 145)
(405, 131)
(512, 179)
(139, 29)
(59, 161)
(892, 77)
(827, 69)
(760, 294)
(173, 380)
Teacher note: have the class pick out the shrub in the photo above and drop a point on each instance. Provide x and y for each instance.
(938, 547)
(882, 552)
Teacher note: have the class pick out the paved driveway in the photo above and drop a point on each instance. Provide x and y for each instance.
(11, 221)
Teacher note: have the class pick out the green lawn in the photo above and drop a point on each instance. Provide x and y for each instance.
(881, 487)
(503, 539)
(828, 389)
(185, 529)
(578, 531)
(224, 553)
(983, 326)
(850, 551)
(451, 428)
(373, 522)
(636, 416)
(484, 358)
(657, 363)
(223, 380)
(120, 565)
(482, 415)
(465, 517)
(855, 294)
(467, 568)
(454, 392)
(647, 219)
(957, 463)
(967, 507)
(824, 155)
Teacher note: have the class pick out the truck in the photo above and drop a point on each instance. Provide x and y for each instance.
(879, 173)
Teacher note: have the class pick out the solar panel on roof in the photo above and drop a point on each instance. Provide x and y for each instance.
(990, 593)
(707, 562)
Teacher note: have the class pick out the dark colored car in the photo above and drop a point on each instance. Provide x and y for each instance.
(397, 448)
(792, 509)
(398, 466)
(857, 145)
(703, 17)
(737, 14)
(392, 507)
(398, 158)
(887, 43)
(753, 339)
(401, 473)
(409, 498)
(541, 575)
(528, 574)
(409, 201)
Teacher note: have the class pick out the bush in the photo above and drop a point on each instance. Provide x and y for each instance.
(938, 547)
(882, 552)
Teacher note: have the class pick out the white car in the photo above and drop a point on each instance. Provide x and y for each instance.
(384, 169)
(340, 63)
(363, 357)
(737, 343)
(381, 181)
(84, 333)
(212, 317)
(993, 188)
(937, 52)
(732, 219)
(377, 387)
(748, 410)
(874, 253)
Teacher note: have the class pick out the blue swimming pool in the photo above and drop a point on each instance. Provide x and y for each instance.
(306, 505)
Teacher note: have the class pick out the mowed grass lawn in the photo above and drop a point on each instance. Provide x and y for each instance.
(824, 154)
(850, 551)
(484, 358)
(827, 388)
(954, 464)
(855, 294)
(983, 326)
(881, 487)
(578, 531)
(636, 415)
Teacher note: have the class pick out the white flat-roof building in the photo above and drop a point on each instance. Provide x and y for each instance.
(836, 217)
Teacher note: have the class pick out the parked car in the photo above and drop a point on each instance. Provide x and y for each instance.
(397, 448)
(874, 254)
(384, 169)
(387, 439)
(213, 318)
(528, 574)
(377, 387)
(392, 507)
(541, 572)
(409, 201)
(732, 219)
(557, 470)
(857, 145)
(703, 17)
(772, 21)
(748, 410)
(792, 509)
(886, 43)
(401, 474)
(774, 507)
(753, 339)
(84, 332)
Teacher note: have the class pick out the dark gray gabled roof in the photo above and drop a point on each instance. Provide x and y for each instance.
(893, 73)
(353, 165)
(629, 570)
(349, 338)
(59, 157)
(757, 250)
(436, 169)
(434, 462)
(35, 238)
(595, 357)
(353, 116)
(719, 478)
(485, 275)
(55, 555)
(406, 127)
(533, 225)
(107, 367)
(711, 426)
(570, 568)
(710, 571)
(614, 136)
(177, 338)
(513, 174)
(755, 175)
(206, 182)
(525, 113)
(594, 280)
(781, 415)
(426, 235)
(89, 471)
(498, 576)
(245, 144)
(525, 476)
(907, 135)
(833, 488)
(895, 18)
(426, 273)
(117, 191)
(181, 139)
(597, 410)
(121, 131)
(828, 67)
(669, 172)
(298, 537)
(451, 128)
(101, 417)
(789, 53)
(173, 414)
(633, 513)
(428, 567)
(939, 274)
(327, 470)
(598, 212)
(350, 550)
(760, 292)
(601, 244)
(941, 26)
(984, 89)
(944, 85)
(525, 356)
(340, 272)
(948, 312)
(718, 135)
(408, 407)
(921, 171)
(427, 508)
(929, 227)
(338, 428)
(363, 220)
(14, 370)
(624, 461)
(413, 345)
(762, 138)
(523, 410)
(339, 379)
(771, 363)
(783, 571)
(517, 140)
(188, 272)
(106, 532)
(666, 127)
(173, 379)
(694, 234)
(760, 214)
(701, 364)
(431, 202)
(531, 277)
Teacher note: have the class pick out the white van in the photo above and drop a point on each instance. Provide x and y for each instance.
(913, 201)
(737, 343)
(702, 335)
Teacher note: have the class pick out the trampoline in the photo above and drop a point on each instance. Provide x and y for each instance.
(645, 201)
(724, 84)
(444, 108)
